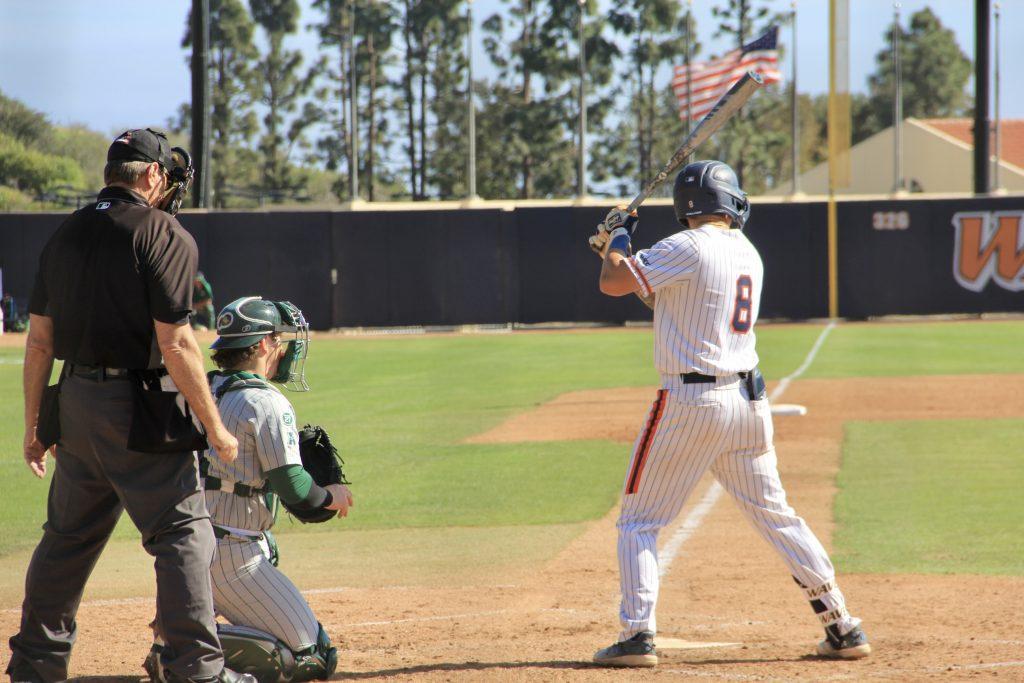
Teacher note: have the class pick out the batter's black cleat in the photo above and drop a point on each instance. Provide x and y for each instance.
(852, 645)
(638, 651)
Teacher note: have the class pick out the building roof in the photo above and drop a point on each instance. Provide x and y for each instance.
(1011, 133)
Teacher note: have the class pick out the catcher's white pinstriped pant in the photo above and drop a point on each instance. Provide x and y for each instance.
(691, 428)
(249, 591)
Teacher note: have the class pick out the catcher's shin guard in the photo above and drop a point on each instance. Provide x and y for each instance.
(251, 651)
(255, 652)
(318, 662)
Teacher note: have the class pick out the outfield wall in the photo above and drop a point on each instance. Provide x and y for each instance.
(528, 263)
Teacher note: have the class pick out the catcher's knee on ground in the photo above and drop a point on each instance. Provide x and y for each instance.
(252, 651)
(249, 650)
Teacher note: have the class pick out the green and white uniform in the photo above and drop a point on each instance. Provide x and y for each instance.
(247, 589)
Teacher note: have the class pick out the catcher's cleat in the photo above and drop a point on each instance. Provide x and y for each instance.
(853, 645)
(638, 651)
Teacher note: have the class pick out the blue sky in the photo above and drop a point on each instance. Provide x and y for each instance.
(112, 64)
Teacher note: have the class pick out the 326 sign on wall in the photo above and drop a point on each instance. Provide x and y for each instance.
(989, 248)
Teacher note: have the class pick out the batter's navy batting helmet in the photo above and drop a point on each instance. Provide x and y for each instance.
(709, 187)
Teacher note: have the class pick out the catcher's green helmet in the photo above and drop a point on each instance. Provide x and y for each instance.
(246, 321)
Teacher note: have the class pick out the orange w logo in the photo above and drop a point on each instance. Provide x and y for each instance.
(989, 246)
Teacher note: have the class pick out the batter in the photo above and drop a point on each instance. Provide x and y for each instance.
(704, 285)
(274, 634)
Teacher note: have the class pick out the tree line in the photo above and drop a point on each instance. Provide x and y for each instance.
(279, 125)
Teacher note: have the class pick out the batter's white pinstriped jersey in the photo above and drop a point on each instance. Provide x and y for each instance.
(708, 286)
(263, 421)
(708, 283)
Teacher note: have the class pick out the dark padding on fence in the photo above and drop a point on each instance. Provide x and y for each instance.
(22, 238)
(793, 242)
(422, 267)
(532, 265)
(927, 257)
(279, 256)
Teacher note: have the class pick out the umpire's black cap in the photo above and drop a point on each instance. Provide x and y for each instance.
(141, 144)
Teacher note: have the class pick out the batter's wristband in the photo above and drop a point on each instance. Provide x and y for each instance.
(619, 240)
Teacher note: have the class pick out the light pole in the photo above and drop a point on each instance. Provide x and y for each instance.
(897, 111)
(471, 163)
(581, 180)
(793, 104)
(352, 111)
(998, 140)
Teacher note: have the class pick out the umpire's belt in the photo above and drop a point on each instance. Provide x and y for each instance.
(98, 373)
(243, 490)
(697, 378)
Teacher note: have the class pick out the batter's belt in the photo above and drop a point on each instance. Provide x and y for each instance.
(751, 378)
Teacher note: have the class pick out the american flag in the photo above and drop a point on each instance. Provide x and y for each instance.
(711, 79)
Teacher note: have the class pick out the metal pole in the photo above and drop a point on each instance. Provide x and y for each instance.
(998, 140)
(795, 114)
(471, 170)
(352, 105)
(897, 103)
(981, 104)
(201, 101)
(689, 92)
(581, 179)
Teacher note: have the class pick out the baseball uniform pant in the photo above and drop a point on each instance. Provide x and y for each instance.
(690, 429)
(95, 477)
(249, 591)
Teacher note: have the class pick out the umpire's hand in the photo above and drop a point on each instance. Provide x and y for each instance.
(226, 445)
(35, 454)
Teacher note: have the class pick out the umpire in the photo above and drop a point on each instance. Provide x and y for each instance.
(124, 254)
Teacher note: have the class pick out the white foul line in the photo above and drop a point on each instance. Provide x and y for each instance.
(692, 521)
(784, 382)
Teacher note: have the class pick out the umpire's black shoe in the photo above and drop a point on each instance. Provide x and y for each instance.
(852, 645)
(637, 651)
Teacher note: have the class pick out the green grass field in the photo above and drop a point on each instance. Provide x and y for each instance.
(932, 497)
(399, 408)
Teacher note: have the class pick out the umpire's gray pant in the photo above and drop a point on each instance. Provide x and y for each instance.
(94, 479)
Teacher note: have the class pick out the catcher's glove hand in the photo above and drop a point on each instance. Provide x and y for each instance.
(321, 459)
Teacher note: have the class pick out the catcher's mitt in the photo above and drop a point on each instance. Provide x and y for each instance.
(321, 459)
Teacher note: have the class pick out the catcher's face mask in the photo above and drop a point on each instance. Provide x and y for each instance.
(291, 370)
(180, 176)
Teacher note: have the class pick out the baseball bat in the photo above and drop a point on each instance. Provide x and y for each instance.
(723, 110)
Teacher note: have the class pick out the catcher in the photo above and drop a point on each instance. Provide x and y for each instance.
(273, 633)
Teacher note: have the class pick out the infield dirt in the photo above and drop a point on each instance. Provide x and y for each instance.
(726, 585)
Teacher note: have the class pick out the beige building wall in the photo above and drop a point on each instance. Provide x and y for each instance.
(936, 161)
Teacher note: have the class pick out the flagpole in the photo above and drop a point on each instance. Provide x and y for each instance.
(998, 140)
(897, 112)
(689, 93)
(795, 115)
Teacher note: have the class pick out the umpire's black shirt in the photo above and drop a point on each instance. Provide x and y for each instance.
(107, 273)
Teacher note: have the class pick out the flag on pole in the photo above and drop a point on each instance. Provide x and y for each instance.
(709, 80)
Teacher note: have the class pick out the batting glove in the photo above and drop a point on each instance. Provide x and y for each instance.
(620, 218)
